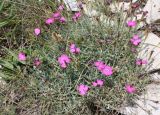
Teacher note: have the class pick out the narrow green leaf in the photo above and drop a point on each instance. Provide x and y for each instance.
(4, 76)
(1, 6)
(3, 23)
(6, 64)
(10, 52)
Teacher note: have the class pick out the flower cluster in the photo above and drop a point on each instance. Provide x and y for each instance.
(76, 16)
(136, 40)
(57, 16)
(64, 59)
(74, 49)
(103, 68)
(22, 57)
(83, 89)
(98, 82)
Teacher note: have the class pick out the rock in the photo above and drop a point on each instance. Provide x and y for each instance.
(156, 77)
(150, 50)
(153, 8)
(148, 103)
(89, 11)
(152, 93)
(71, 5)
(133, 1)
(150, 100)
(116, 7)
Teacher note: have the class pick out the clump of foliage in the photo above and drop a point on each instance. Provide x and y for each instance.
(39, 81)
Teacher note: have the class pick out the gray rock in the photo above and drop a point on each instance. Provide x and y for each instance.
(150, 50)
(153, 8)
(71, 5)
(148, 103)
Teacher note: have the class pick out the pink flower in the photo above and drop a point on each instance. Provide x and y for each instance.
(62, 20)
(103, 68)
(130, 89)
(37, 62)
(98, 82)
(49, 21)
(135, 40)
(107, 71)
(22, 56)
(78, 50)
(64, 60)
(37, 31)
(94, 84)
(76, 16)
(74, 49)
(131, 23)
(56, 15)
(63, 65)
(82, 89)
(100, 65)
(61, 7)
(141, 62)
